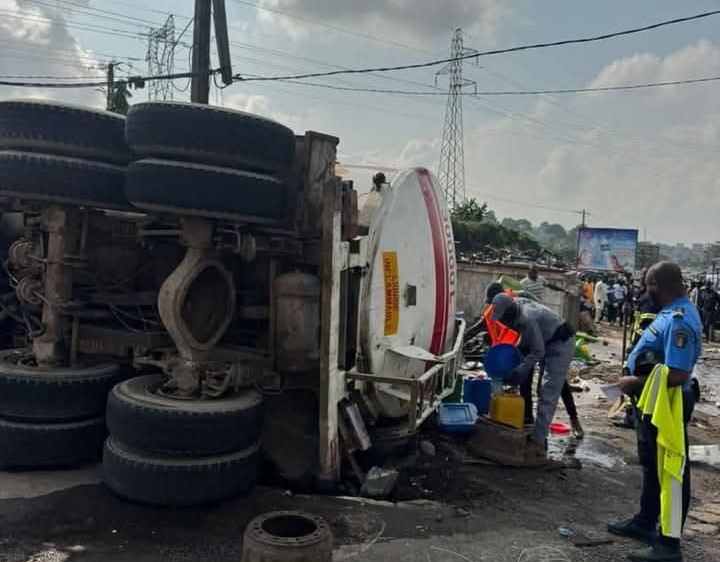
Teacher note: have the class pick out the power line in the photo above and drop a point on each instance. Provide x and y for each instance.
(419, 97)
(96, 84)
(140, 7)
(531, 205)
(75, 7)
(508, 92)
(71, 25)
(515, 49)
(40, 77)
(76, 55)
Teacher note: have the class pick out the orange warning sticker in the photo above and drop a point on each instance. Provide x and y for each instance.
(392, 293)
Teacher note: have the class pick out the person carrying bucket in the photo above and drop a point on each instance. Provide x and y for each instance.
(545, 337)
(502, 336)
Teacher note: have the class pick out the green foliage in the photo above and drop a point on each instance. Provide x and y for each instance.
(474, 235)
(521, 225)
(470, 210)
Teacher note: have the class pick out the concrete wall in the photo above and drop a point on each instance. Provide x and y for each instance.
(473, 280)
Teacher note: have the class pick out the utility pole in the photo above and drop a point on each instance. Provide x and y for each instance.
(110, 84)
(583, 218)
(200, 88)
(223, 41)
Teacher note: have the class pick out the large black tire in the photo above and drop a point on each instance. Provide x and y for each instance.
(142, 419)
(41, 445)
(164, 480)
(43, 394)
(63, 130)
(165, 186)
(59, 179)
(209, 135)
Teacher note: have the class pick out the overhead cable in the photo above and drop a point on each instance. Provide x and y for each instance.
(130, 80)
(473, 55)
(509, 92)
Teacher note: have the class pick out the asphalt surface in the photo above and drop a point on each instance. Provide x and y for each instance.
(472, 511)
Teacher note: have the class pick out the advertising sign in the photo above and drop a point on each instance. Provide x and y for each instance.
(607, 249)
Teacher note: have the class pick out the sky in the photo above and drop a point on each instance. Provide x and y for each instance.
(645, 159)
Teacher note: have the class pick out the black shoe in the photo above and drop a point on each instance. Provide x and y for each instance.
(577, 429)
(658, 553)
(631, 529)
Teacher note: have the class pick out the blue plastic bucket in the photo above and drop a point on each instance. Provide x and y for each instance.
(501, 360)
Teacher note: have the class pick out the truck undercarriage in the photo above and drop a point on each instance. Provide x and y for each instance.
(218, 258)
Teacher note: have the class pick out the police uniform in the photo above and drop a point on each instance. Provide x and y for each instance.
(674, 339)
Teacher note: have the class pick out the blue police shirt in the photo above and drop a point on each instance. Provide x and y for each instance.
(674, 338)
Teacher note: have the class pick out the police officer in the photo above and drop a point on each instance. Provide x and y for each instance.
(646, 311)
(673, 339)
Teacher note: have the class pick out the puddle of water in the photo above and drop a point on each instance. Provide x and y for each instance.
(588, 451)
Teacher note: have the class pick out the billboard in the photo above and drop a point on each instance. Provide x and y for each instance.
(607, 249)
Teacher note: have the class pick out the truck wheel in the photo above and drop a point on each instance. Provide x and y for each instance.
(165, 186)
(58, 179)
(45, 394)
(209, 135)
(287, 536)
(45, 445)
(142, 419)
(165, 480)
(63, 130)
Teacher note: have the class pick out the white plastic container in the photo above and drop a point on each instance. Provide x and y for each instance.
(708, 454)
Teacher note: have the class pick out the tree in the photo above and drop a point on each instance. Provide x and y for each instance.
(470, 210)
(554, 231)
(119, 101)
(521, 225)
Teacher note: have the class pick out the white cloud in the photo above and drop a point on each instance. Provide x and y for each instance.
(301, 121)
(414, 21)
(693, 61)
(35, 41)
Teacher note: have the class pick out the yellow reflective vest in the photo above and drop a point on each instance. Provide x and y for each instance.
(665, 405)
(641, 322)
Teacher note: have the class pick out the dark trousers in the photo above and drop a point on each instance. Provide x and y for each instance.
(526, 392)
(612, 313)
(708, 318)
(647, 454)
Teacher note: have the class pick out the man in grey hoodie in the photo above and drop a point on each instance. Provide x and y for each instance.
(547, 337)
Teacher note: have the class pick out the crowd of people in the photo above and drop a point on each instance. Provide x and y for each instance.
(614, 299)
(608, 298)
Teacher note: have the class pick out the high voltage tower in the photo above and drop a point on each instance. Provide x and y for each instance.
(161, 59)
(452, 156)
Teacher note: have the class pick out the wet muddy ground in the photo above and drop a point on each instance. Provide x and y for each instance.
(455, 507)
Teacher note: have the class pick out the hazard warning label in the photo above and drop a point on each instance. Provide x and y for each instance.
(392, 292)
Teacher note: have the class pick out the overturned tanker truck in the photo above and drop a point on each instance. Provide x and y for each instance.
(193, 294)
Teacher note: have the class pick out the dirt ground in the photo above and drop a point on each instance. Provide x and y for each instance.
(455, 507)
